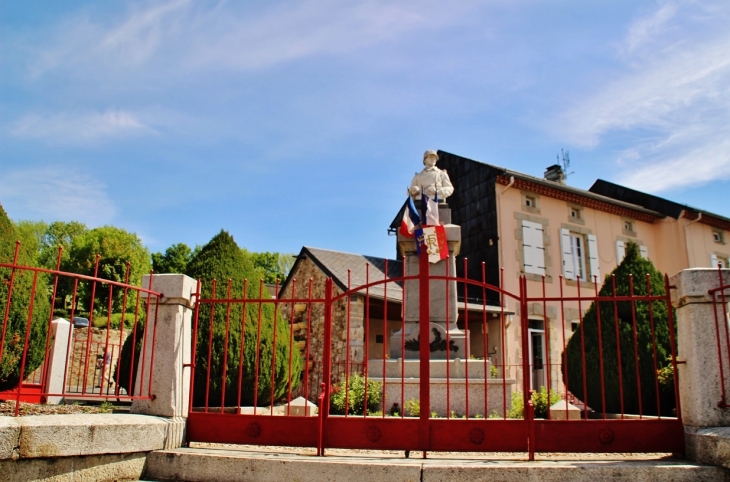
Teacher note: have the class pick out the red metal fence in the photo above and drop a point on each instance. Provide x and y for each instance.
(486, 367)
(56, 360)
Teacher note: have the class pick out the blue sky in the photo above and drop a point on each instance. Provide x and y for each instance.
(302, 122)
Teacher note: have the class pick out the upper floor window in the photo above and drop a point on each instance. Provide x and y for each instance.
(576, 213)
(719, 260)
(580, 255)
(533, 247)
(718, 236)
(530, 201)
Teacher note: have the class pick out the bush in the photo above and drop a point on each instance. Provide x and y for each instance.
(540, 401)
(413, 407)
(222, 259)
(356, 396)
(20, 304)
(633, 264)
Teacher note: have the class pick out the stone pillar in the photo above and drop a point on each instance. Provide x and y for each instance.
(699, 373)
(441, 298)
(171, 369)
(58, 359)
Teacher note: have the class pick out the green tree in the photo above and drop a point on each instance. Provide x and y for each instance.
(633, 264)
(221, 259)
(115, 247)
(31, 235)
(15, 307)
(57, 234)
(272, 266)
(175, 259)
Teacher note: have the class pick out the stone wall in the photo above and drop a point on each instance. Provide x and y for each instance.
(313, 340)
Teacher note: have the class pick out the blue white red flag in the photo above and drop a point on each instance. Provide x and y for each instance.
(433, 238)
(431, 210)
(410, 220)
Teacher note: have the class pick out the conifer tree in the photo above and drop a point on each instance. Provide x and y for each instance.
(222, 259)
(16, 321)
(640, 268)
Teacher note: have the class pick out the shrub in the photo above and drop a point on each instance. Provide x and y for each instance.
(355, 395)
(540, 401)
(121, 370)
(20, 304)
(413, 407)
(633, 264)
(222, 259)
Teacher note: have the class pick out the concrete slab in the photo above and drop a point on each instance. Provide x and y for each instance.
(9, 437)
(223, 466)
(88, 434)
(217, 464)
(89, 468)
(709, 445)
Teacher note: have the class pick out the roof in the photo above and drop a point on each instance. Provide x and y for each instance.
(335, 264)
(625, 204)
(656, 203)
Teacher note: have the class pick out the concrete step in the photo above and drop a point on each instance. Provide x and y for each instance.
(225, 464)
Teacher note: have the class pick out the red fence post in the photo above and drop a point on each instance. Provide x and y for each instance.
(324, 406)
(424, 293)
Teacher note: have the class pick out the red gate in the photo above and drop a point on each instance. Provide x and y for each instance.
(253, 355)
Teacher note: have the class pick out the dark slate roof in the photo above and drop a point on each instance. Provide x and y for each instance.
(649, 201)
(335, 264)
(501, 171)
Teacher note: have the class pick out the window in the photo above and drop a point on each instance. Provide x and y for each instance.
(575, 213)
(580, 255)
(628, 226)
(533, 248)
(718, 236)
(530, 202)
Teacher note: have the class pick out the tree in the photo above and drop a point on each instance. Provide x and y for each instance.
(272, 266)
(633, 264)
(115, 247)
(57, 234)
(14, 310)
(174, 260)
(221, 259)
(31, 235)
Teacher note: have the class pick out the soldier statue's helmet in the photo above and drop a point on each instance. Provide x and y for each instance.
(428, 153)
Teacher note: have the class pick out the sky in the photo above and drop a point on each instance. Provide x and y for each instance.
(301, 123)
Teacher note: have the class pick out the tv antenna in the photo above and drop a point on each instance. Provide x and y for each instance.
(565, 162)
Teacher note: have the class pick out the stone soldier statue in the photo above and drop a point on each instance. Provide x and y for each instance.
(432, 180)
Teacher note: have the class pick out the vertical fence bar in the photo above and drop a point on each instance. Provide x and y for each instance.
(385, 333)
(466, 338)
(154, 341)
(618, 346)
(485, 341)
(122, 324)
(600, 347)
(583, 351)
(273, 350)
(324, 407)
(27, 338)
(47, 356)
(636, 343)
(424, 292)
(258, 349)
(367, 336)
(673, 343)
(225, 345)
(403, 343)
(347, 355)
(242, 353)
(653, 347)
(502, 340)
(291, 342)
(210, 342)
(193, 348)
(546, 326)
(308, 344)
(89, 333)
(565, 351)
(448, 347)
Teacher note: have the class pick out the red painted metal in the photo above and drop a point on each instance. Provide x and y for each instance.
(87, 372)
(423, 432)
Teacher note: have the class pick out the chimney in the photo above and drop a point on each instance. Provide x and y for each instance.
(555, 173)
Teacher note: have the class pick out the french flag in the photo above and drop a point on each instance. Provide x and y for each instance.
(410, 220)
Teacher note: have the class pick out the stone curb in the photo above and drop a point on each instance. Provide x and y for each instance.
(229, 465)
(38, 436)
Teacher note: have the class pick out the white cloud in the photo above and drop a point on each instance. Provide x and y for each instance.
(670, 108)
(55, 193)
(185, 34)
(81, 128)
